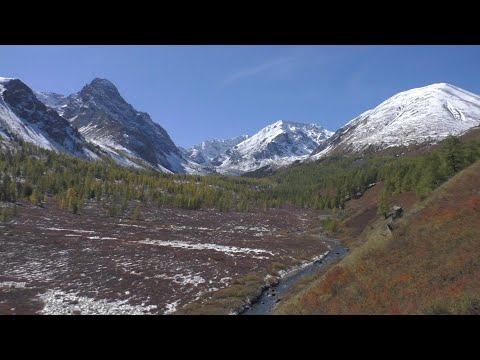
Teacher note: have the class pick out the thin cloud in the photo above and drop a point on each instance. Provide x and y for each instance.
(248, 72)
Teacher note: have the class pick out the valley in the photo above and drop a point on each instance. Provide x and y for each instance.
(428, 263)
(53, 262)
(102, 213)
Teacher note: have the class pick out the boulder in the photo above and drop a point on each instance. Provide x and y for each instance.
(358, 195)
(395, 212)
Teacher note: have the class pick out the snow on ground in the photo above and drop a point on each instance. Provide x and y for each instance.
(189, 278)
(174, 227)
(171, 307)
(13, 284)
(132, 225)
(58, 302)
(72, 230)
(94, 264)
(252, 228)
(228, 250)
(101, 238)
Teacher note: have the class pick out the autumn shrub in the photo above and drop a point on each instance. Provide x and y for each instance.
(229, 299)
(330, 226)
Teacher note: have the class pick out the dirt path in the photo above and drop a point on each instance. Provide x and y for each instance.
(274, 294)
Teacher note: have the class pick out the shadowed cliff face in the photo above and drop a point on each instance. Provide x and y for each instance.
(105, 118)
(25, 117)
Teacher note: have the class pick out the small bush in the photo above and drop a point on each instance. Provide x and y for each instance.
(6, 214)
(226, 300)
(330, 226)
(137, 214)
(465, 305)
(276, 267)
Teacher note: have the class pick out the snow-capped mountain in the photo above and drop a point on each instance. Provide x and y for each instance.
(422, 115)
(212, 149)
(130, 137)
(23, 116)
(278, 144)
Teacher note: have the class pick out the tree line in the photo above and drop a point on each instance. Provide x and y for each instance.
(29, 173)
(329, 183)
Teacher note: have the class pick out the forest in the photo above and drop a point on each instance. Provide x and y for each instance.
(31, 174)
(328, 184)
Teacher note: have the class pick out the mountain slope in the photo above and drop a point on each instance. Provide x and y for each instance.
(130, 137)
(430, 263)
(421, 115)
(209, 150)
(277, 144)
(23, 116)
(53, 100)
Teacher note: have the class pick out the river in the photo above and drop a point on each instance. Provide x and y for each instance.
(272, 295)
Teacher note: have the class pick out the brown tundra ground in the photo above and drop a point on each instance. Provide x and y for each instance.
(55, 262)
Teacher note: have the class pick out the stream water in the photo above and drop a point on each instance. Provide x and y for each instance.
(271, 296)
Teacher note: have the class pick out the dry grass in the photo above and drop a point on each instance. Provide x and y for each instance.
(431, 264)
(232, 298)
(241, 292)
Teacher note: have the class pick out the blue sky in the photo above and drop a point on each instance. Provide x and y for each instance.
(200, 92)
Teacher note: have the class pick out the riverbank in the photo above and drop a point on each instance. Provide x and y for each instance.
(272, 295)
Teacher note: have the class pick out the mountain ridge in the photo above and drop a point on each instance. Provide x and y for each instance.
(423, 115)
(208, 150)
(277, 144)
(129, 136)
(404, 119)
(23, 116)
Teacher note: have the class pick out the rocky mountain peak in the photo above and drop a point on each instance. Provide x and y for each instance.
(23, 116)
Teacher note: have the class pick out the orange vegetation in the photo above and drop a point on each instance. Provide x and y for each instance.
(431, 263)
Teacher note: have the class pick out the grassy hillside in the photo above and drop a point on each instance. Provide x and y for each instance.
(429, 265)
